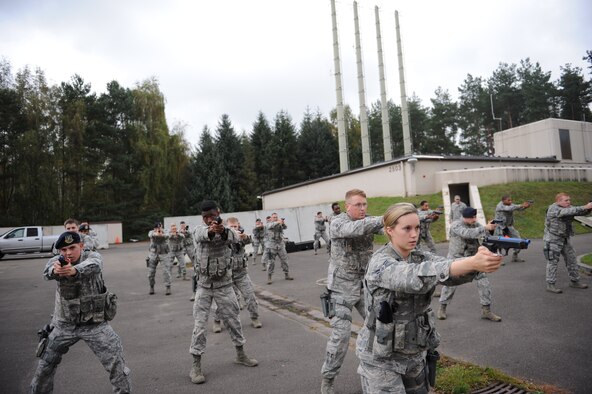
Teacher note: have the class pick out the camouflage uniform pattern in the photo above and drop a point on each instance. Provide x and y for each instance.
(456, 211)
(464, 242)
(352, 243)
(320, 232)
(506, 214)
(241, 279)
(214, 263)
(79, 315)
(275, 246)
(258, 238)
(159, 252)
(425, 237)
(392, 355)
(90, 243)
(556, 239)
(176, 242)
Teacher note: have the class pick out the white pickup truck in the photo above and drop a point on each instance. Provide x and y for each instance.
(26, 240)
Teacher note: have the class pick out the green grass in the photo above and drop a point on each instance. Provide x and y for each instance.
(458, 377)
(587, 259)
(530, 222)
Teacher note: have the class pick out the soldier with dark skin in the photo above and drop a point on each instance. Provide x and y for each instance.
(504, 212)
(215, 264)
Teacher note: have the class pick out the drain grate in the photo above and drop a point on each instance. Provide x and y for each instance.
(500, 388)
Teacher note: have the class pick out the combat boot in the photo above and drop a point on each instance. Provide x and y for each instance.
(268, 279)
(256, 323)
(192, 297)
(185, 276)
(552, 289)
(195, 374)
(216, 327)
(516, 259)
(168, 290)
(287, 276)
(577, 285)
(442, 312)
(241, 358)
(151, 289)
(263, 267)
(486, 313)
(327, 386)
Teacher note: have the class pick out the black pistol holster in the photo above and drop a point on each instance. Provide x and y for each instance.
(43, 335)
(432, 358)
(327, 304)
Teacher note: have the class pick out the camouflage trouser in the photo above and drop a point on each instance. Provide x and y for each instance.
(483, 287)
(553, 251)
(377, 380)
(100, 338)
(317, 243)
(244, 286)
(153, 260)
(510, 232)
(228, 310)
(341, 326)
(257, 245)
(269, 258)
(180, 255)
(426, 241)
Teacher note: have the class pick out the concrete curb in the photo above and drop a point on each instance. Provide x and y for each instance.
(587, 268)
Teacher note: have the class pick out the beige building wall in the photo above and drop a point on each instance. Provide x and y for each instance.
(541, 139)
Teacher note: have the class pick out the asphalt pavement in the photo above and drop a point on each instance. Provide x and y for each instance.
(543, 337)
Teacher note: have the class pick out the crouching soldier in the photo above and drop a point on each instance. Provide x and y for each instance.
(82, 308)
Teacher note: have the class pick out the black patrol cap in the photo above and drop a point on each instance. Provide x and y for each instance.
(66, 239)
(208, 205)
(83, 227)
(469, 212)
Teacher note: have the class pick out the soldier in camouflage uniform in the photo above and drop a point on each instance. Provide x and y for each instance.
(558, 231)
(80, 313)
(189, 248)
(159, 251)
(320, 232)
(456, 209)
(258, 233)
(465, 236)
(215, 284)
(265, 243)
(504, 211)
(396, 344)
(176, 241)
(275, 246)
(240, 277)
(90, 243)
(426, 217)
(352, 237)
(335, 211)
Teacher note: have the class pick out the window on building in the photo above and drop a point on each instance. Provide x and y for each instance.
(565, 144)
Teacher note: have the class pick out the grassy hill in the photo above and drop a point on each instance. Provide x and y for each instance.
(530, 223)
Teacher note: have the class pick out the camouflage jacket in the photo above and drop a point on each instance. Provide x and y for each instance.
(158, 243)
(319, 224)
(558, 221)
(176, 242)
(465, 239)
(424, 222)
(352, 243)
(213, 255)
(456, 211)
(406, 285)
(79, 298)
(274, 235)
(506, 213)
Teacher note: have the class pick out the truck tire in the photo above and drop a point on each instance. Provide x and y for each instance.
(1, 255)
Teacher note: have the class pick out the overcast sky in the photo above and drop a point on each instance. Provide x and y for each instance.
(242, 57)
